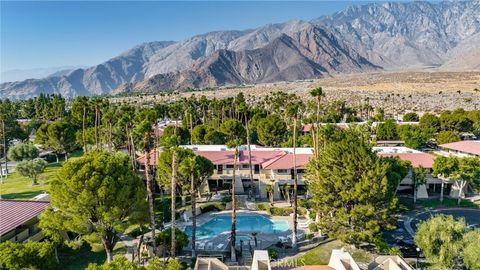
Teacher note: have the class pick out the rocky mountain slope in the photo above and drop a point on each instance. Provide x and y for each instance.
(310, 53)
(388, 36)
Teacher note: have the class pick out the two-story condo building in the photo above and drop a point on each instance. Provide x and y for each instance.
(270, 166)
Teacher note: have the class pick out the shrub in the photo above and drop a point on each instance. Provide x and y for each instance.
(313, 227)
(165, 236)
(263, 206)
(302, 211)
(309, 236)
(277, 211)
(226, 199)
(272, 253)
(212, 207)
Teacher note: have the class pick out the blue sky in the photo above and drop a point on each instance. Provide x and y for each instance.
(58, 33)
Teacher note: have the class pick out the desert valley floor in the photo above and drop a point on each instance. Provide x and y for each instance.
(396, 92)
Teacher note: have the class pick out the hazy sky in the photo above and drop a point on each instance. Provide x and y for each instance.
(57, 33)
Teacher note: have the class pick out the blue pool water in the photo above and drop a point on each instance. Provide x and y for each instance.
(246, 223)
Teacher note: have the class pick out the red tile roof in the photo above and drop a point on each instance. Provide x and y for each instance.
(218, 157)
(286, 162)
(470, 147)
(154, 154)
(227, 157)
(260, 157)
(417, 159)
(269, 159)
(14, 213)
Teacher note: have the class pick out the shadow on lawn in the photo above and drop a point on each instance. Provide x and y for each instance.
(73, 259)
(27, 195)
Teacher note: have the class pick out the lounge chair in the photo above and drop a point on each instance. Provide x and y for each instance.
(284, 239)
(304, 224)
(185, 217)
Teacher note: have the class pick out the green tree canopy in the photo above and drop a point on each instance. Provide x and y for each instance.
(31, 168)
(352, 189)
(471, 250)
(430, 121)
(272, 130)
(22, 151)
(121, 262)
(165, 236)
(387, 130)
(61, 137)
(411, 117)
(30, 255)
(464, 171)
(414, 136)
(233, 130)
(93, 197)
(447, 136)
(164, 167)
(441, 241)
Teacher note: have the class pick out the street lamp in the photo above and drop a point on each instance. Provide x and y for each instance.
(418, 255)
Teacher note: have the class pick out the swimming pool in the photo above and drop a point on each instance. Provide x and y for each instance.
(246, 223)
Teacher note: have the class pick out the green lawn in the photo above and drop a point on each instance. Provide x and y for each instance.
(321, 254)
(447, 202)
(76, 259)
(19, 187)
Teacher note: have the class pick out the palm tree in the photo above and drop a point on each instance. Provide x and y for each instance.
(235, 133)
(269, 191)
(234, 144)
(173, 199)
(198, 169)
(175, 112)
(80, 108)
(293, 111)
(244, 108)
(144, 129)
(318, 94)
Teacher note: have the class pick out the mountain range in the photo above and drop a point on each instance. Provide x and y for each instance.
(373, 37)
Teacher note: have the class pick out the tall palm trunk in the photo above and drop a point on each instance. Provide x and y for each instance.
(173, 206)
(250, 156)
(5, 149)
(149, 189)
(194, 216)
(191, 128)
(233, 254)
(295, 184)
(317, 128)
(110, 137)
(96, 127)
(84, 136)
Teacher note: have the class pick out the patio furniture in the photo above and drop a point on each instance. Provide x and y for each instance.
(201, 246)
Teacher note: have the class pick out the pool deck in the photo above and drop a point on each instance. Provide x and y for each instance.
(220, 244)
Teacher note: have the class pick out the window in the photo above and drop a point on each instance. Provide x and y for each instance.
(220, 168)
(229, 166)
(257, 169)
(282, 171)
(245, 166)
(300, 171)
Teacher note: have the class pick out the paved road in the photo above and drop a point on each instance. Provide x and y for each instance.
(471, 216)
